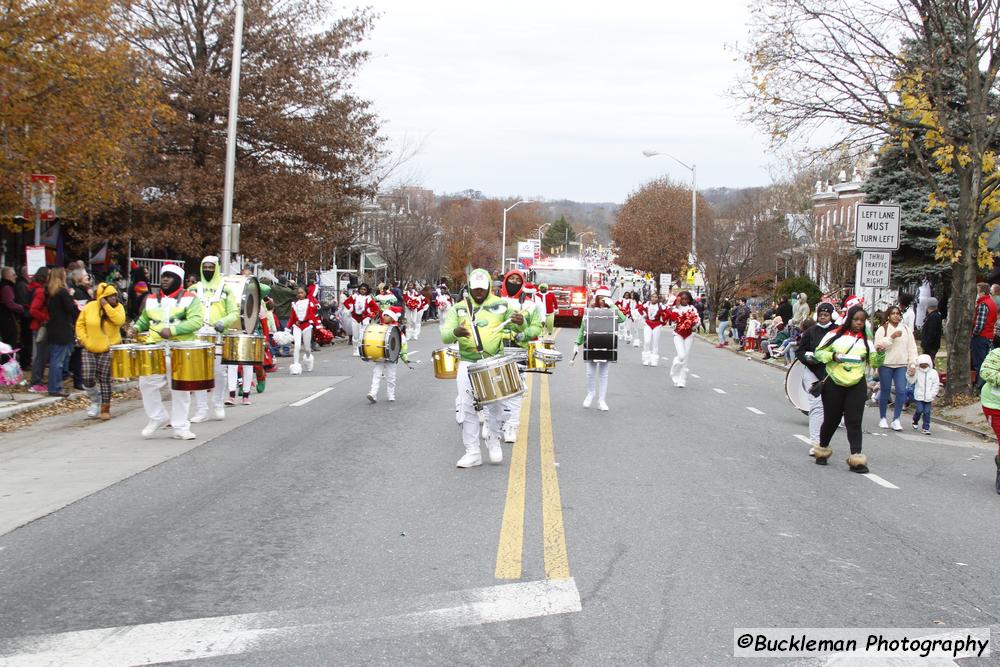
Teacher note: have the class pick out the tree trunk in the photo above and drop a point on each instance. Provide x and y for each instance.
(960, 314)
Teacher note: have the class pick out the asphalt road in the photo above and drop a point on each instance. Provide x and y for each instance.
(340, 532)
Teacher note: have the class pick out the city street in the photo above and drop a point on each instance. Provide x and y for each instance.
(315, 528)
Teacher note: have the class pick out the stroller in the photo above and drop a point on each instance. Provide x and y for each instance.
(10, 369)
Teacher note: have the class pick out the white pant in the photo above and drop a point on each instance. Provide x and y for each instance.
(389, 372)
(470, 420)
(636, 332)
(303, 343)
(815, 405)
(232, 373)
(597, 378)
(413, 322)
(651, 341)
(512, 408)
(152, 402)
(356, 331)
(679, 369)
(216, 393)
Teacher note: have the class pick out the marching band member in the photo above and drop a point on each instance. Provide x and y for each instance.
(686, 319)
(362, 308)
(551, 306)
(390, 317)
(654, 315)
(385, 298)
(173, 314)
(520, 297)
(635, 322)
(442, 301)
(625, 307)
(304, 316)
(221, 312)
(597, 371)
(479, 335)
(416, 303)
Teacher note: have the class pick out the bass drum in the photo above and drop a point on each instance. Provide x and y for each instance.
(600, 335)
(794, 391)
(247, 291)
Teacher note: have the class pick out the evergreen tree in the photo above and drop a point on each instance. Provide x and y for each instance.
(557, 237)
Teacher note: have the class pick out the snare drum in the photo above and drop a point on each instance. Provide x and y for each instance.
(123, 366)
(445, 363)
(794, 389)
(542, 355)
(210, 337)
(380, 342)
(600, 337)
(242, 349)
(149, 359)
(192, 366)
(519, 354)
(495, 380)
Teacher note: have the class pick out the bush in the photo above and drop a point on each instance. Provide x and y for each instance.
(796, 286)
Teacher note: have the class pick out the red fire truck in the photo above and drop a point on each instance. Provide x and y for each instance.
(567, 279)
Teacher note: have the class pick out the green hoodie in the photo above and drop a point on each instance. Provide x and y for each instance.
(218, 300)
(990, 372)
(490, 314)
(847, 373)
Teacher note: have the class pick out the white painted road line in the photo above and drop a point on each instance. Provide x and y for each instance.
(881, 482)
(217, 636)
(754, 410)
(718, 391)
(299, 404)
(803, 438)
(695, 376)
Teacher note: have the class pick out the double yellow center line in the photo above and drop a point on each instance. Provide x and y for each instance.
(510, 549)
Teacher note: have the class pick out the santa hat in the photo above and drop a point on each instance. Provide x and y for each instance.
(604, 291)
(394, 312)
(852, 301)
(172, 268)
(529, 288)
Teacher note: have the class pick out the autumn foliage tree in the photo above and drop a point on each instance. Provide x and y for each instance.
(74, 102)
(653, 229)
(307, 148)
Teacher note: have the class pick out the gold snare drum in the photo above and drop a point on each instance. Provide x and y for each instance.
(192, 366)
(209, 337)
(380, 342)
(240, 348)
(445, 363)
(149, 360)
(495, 379)
(142, 337)
(542, 355)
(123, 366)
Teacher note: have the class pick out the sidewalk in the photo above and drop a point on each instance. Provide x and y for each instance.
(967, 419)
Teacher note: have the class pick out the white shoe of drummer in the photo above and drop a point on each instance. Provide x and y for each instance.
(200, 416)
(635, 343)
(587, 401)
(308, 363)
(295, 369)
(602, 406)
(494, 450)
(152, 426)
(471, 459)
(509, 433)
(645, 358)
(654, 360)
(184, 435)
(219, 414)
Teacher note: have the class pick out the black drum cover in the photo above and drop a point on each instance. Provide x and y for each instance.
(600, 335)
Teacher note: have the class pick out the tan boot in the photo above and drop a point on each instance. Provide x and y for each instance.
(105, 412)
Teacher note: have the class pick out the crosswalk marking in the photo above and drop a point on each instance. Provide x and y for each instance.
(881, 482)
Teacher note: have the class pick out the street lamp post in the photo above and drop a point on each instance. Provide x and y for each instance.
(234, 100)
(503, 240)
(694, 199)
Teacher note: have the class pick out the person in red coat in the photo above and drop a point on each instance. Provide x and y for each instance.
(304, 316)
(362, 307)
(551, 306)
(416, 303)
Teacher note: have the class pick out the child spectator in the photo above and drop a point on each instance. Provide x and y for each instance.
(926, 385)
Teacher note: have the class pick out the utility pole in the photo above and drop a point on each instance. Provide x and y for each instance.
(234, 100)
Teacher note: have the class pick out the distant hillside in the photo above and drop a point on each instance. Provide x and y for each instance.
(723, 198)
(597, 215)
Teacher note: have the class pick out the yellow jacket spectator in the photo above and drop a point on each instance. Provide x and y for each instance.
(98, 328)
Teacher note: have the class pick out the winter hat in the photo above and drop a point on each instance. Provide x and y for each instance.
(852, 301)
(604, 291)
(529, 288)
(140, 287)
(931, 302)
(394, 312)
(174, 269)
(825, 308)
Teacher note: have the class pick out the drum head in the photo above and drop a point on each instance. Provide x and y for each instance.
(393, 343)
(794, 391)
(247, 291)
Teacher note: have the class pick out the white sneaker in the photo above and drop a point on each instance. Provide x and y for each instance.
(220, 414)
(896, 425)
(200, 417)
(883, 423)
(356, 353)
(494, 450)
(371, 399)
(654, 360)
(151, 427)
(308, 363)
(602, 406)
(95, 410)
(587, 401)
(509, 434)
(184, 435)
(645, 359)
(392, 399)
(470, 460)
(915, 427)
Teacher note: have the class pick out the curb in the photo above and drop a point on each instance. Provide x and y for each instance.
(14, 410)
(958, 426)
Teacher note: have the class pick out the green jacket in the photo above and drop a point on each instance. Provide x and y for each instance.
(489, 315)
(583, 323)
(218, 301)
(990, 372)
(847, 373)
(532, 322)
(184, 315)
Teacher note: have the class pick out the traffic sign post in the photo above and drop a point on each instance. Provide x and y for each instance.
(876, 267)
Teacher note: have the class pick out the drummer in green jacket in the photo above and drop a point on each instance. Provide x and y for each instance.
(597, 371)
(479, 335)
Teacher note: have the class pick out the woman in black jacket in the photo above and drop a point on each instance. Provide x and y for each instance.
(814, 371)
(60, 328)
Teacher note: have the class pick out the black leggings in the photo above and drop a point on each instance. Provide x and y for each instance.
(846, 402)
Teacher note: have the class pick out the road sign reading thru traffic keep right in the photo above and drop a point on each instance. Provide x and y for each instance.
(876, 268)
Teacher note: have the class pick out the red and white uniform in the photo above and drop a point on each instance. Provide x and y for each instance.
(551, 303)
(416, 303)
(388, 371)
(654, 316)
(685, 319)
(304, 316)
(362, 308)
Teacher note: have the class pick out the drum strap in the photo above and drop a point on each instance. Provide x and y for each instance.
(475, 329)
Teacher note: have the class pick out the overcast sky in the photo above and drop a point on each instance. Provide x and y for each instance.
(558, 99)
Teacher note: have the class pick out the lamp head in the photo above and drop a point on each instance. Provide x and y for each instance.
(649, 153)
